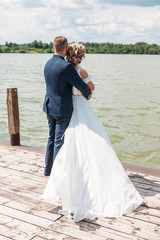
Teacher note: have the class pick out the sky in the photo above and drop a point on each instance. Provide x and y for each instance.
(116, 21)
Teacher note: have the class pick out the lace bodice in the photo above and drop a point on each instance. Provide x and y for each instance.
(75, 91)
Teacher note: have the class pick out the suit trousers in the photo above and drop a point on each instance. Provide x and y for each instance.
(57, 127)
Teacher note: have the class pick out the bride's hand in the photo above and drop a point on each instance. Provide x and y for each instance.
(91, 85)
(90, 95)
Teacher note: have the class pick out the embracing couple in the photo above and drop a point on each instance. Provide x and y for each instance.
(86, 174)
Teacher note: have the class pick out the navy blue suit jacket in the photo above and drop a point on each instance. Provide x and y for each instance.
(60, 76)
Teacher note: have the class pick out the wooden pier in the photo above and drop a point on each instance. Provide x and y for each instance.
(23, 216)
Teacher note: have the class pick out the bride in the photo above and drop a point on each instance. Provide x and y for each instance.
(87, 175)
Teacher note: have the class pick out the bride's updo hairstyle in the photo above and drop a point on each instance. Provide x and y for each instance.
(75, 53)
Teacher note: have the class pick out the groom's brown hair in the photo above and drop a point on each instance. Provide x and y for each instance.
(60, 43)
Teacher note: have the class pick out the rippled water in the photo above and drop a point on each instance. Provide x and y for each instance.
(127, 100)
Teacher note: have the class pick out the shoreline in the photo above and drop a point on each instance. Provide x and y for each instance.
(127, 167)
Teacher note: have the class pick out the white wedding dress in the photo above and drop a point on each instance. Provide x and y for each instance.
(87, 176)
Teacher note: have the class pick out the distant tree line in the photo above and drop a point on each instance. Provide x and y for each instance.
(33, 47)
(108, 48)
(112, 48)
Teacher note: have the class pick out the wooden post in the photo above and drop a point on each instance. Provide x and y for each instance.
(13, 116)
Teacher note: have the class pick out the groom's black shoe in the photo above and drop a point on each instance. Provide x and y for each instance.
(46, 173)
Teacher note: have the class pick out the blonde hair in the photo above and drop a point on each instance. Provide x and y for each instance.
(76, 53)
(60, 43)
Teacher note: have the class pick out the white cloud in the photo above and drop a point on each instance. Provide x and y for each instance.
(141, 3)
(85, 20)
(69, 4)
(32, 4)
(80, 21)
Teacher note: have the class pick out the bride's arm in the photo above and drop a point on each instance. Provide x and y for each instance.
(84, 75)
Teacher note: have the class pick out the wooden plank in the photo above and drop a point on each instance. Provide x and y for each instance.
(148, 211)
(148, 177)
(31, 160)
(39, 210)
(106, 232)
(18, 215)
(151, 201)
(143, 179)
(22, 156)
(25, 151)
(23, 167)
(52, 235)
(23, 199)
(44, 223)
(5, 238)
(18, 230)
(19, 152)
(147, 193)
(18, 170)
(14, 229)
(31, 185)
(77, 232)
(39, 238)
(34, 210)
(27, 169)
(145, 186)
(35, 169)
(22, 182)
(130, 226)
(20, 196)
(95, 228)
(3, 199)
(145, 217)
(8, 171)
(141, 170)
(30, 173)
(136, 228)
(26, 217)
(20, 191)
(28, 205)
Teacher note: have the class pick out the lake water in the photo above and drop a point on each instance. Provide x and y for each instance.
(127, 100)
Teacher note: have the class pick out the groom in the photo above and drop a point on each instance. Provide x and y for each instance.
(60, 76)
